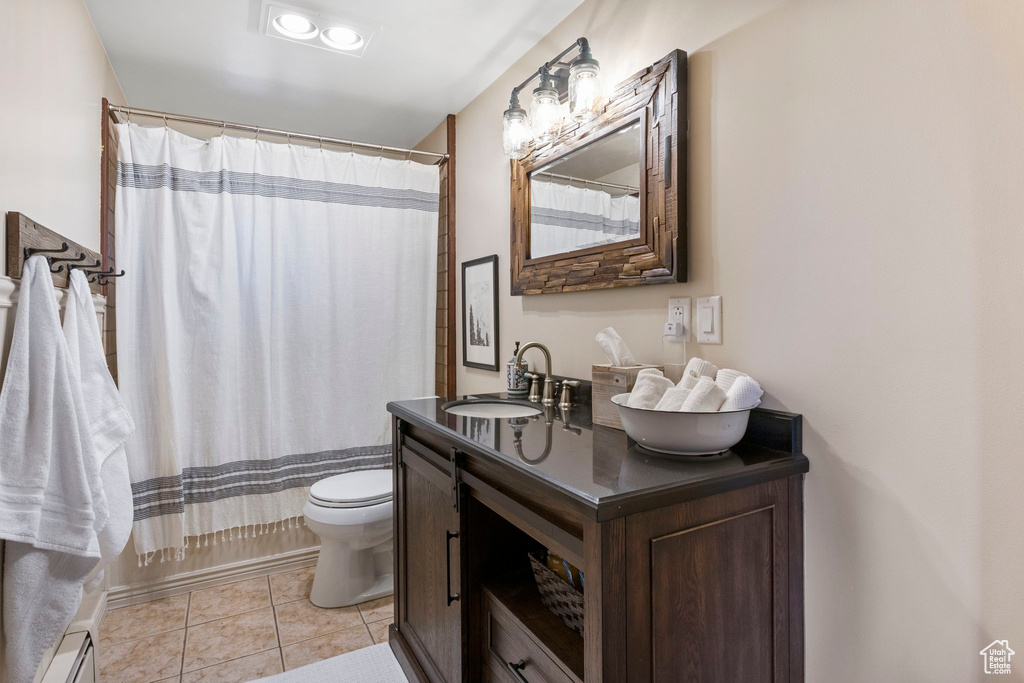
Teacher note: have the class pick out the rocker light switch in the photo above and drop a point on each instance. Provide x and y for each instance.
(709, 320)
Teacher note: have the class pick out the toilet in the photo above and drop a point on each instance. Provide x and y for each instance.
(352, 515)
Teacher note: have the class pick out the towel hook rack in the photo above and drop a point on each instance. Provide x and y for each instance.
(84, 266)
(30, 252)
(78, 259)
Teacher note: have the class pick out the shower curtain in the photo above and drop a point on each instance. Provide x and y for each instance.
(564, 217)
(276, 298)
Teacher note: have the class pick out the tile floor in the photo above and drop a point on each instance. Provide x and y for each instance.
(234, 633)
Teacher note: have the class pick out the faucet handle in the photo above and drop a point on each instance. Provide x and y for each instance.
(567, 386)
(534, 389)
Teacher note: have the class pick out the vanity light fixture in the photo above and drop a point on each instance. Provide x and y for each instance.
(302, 26)
(577, 81)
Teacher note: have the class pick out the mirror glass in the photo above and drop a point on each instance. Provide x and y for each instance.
(588, 197)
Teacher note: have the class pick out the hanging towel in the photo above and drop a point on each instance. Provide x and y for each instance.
(743, 394)
(109, 421)
(51, 500)
(726, 377)
(673, 399)
(706, 397)
(700, 368)
(648, 390)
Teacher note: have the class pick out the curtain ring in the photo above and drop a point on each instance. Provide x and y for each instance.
(165, 120)
(129, 113)
(321, 141)
(258, 134)
(223, 127)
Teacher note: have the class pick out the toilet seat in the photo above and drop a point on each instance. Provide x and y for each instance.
(353, 489)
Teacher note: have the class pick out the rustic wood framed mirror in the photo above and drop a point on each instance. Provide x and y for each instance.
(604, 203)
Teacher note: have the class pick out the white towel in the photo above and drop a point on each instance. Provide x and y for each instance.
(109, 421)
(51, 499)
(744, 393)
(673, 399)
(648, 390)
(706, 397)
(651, 371)
(726, 377)
(688, 381)
(700, 368)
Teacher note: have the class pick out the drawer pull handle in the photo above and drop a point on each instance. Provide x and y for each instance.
(448, 536)
(516, 669)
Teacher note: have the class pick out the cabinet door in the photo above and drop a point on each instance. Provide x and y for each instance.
(710, 596)
(430, 613)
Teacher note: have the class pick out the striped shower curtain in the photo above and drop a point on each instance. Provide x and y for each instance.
(276, 298)
(564, 217)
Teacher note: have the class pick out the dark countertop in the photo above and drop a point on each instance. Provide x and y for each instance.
(602, 468)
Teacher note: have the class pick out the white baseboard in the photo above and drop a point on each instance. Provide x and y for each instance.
(122, 596)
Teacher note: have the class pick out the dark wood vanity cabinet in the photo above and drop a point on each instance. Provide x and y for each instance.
(693, 571)
(428, 561)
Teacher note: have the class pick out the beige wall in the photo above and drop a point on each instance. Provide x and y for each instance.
(53, 74)
(856, 196)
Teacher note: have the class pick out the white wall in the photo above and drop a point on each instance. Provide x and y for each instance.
(53, 74)
(856, 196)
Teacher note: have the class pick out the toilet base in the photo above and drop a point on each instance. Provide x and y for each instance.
(344, 577)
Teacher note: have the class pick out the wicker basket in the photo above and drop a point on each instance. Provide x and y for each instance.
(558, 596)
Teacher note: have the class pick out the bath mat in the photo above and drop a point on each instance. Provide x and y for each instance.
(374, 664)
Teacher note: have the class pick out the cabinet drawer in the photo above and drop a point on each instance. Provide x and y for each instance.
(507, 641)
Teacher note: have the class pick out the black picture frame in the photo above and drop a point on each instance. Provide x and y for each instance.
(477, 326)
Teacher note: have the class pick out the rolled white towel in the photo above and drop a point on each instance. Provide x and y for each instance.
(689, 380)
(651, 371)
(706, 397)
(648, 390)
(673, 399)
(744, 393)
(726, 377)
(700, 368)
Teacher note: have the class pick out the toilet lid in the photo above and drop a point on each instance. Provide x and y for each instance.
(367, 487)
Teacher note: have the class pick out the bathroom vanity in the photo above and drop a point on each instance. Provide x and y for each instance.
(693, 567)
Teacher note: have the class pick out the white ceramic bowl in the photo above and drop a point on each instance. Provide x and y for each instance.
(679, 433)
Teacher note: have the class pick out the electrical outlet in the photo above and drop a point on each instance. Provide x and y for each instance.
(679, 312)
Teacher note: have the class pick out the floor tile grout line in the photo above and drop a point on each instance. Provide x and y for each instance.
(228, 661)
(184, 640)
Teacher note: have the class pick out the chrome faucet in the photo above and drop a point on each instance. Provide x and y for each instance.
(548, 398)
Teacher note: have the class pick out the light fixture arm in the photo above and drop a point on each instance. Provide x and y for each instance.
(582, 44)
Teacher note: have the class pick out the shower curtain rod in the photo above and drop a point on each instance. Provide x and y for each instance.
(166, 116)
(585, 181)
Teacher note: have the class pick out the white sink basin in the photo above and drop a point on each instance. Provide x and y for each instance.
(491, 407)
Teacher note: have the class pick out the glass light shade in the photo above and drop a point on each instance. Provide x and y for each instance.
(584, 90)
(516, 134)
(545, 114)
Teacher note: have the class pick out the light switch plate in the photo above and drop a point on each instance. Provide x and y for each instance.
(709, 320)
(679, 312)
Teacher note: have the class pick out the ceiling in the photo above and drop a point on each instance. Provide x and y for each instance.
(430, 58)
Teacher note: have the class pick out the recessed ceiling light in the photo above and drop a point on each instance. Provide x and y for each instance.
(341, 38)
(294, 26)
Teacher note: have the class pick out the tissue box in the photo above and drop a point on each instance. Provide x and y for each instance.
(610, 380)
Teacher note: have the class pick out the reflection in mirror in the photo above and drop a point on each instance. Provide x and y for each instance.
(589, 197)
